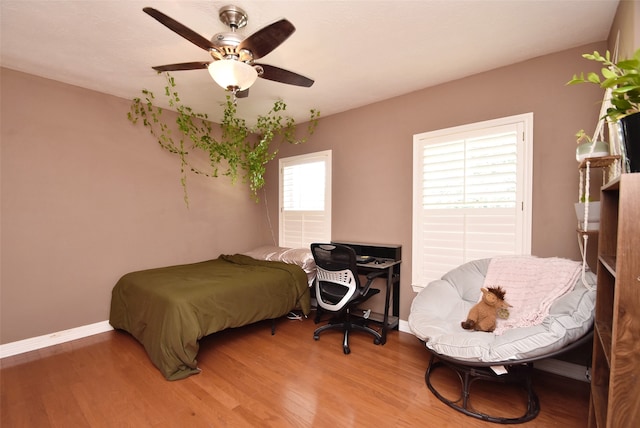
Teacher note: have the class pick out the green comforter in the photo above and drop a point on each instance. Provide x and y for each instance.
(169, 309)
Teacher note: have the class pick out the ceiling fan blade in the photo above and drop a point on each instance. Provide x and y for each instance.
(182, 66)
(180, 29)
(284, 76)
(268, 38)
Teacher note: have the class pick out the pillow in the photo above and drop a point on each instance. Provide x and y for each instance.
(298, 256)
(263, 253)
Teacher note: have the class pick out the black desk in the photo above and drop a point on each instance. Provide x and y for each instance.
(385, 257)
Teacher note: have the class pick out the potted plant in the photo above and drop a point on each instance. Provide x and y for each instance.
(589, 148)
(590, 211)
(622, 80)
(241, 149)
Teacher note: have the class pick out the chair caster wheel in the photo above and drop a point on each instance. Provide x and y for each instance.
(316, 337)
(376, 341)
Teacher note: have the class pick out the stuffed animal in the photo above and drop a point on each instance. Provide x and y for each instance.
(482, 316)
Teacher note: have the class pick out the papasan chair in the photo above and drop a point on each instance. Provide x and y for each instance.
(553, 302)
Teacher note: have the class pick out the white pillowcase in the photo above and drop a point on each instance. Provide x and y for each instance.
(264, 253)
(298, 256)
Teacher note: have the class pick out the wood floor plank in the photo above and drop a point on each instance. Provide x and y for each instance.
(251, 378)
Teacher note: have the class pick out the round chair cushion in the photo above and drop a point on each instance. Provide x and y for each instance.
(437, 311)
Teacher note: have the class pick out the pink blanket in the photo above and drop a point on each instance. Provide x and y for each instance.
(532, 284)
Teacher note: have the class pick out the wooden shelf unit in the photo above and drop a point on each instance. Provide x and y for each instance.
(615, 372)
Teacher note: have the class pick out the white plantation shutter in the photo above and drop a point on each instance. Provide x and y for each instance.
(305, 199)
(471, 195)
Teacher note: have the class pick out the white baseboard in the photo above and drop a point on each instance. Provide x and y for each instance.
(34, 343)
(403, 326)
(563, 368)
(39, 342)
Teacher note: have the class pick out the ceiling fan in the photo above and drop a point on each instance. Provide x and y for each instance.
(233, 66)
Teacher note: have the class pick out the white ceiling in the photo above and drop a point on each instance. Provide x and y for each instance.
(358, 52)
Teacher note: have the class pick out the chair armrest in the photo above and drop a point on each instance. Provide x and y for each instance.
(373, 275)
(370, 277)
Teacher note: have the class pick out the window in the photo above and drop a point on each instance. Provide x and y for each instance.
(471, 195)
(305, 199)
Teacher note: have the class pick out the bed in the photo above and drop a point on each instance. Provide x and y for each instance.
(169, 309)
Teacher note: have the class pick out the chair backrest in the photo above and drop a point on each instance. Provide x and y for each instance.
(337, 281)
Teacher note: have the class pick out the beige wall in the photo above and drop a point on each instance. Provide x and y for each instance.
(87, 197)
(627, 25)
(372, 151)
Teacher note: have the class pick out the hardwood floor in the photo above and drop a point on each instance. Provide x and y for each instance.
(252, 379)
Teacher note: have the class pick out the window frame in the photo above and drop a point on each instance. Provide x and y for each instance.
(326, 157)
(524, 148)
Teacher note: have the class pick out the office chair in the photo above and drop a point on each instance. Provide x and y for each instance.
(338, 290)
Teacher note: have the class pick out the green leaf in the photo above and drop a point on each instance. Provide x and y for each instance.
(629, 64)
(625, 89)
(593, 78)
(623, 78)
(608, 74)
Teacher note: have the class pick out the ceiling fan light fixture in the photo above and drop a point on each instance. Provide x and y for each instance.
(232, 74)
(233, 55)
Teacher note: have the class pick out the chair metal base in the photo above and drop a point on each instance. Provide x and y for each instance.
(520, 374)
(348, 326)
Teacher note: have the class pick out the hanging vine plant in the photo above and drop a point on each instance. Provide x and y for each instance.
(241, 150)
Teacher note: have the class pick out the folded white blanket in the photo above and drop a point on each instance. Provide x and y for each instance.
(532, 284)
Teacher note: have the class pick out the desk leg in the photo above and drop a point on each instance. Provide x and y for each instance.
(385, 322)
